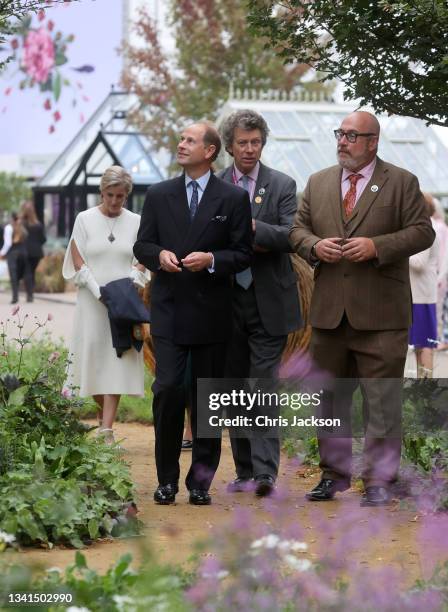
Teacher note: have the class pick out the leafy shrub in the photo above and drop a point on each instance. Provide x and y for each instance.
(56, 483)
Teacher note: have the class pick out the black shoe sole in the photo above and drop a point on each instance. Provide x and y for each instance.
(369, 504)
(167, 502)
(200, 503)
(264, 490)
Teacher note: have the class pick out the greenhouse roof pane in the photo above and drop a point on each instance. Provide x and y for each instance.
(301, 140)
(134, 150)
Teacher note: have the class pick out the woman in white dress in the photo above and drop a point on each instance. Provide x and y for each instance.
(100, 251)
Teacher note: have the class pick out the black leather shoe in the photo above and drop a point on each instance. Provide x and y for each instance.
(166, 494)
(326, 489)
(240, 485)
(265, 485)
(199, 497)
(375, 496)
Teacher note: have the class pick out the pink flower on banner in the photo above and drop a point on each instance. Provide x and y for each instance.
(57, 115)
(38, 59)
(51, 129)
(47, 104)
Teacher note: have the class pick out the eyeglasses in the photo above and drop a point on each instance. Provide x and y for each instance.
(351, 136)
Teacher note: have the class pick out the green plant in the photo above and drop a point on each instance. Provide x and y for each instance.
(14, 189)
(56, 483)
(151, 587)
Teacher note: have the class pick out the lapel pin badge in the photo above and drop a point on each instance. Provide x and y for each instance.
(261, 191)
(374, 188)
(258, 200)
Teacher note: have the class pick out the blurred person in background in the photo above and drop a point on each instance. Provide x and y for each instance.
(423, 272)
(34, 241)
(441, 229)
(14, 251)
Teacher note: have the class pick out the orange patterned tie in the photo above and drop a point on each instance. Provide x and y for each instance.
(350, 197)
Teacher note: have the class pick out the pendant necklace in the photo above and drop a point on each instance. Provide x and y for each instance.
(111, 236)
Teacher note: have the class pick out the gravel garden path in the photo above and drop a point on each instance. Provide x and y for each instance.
(172, 531)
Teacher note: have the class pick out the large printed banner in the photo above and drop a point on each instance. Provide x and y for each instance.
(65, 60)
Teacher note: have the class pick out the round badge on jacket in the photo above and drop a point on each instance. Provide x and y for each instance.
(374, 188)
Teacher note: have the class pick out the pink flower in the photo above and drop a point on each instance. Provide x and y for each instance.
(54, 357)
(50, 317)
(15, 310)
(56, 115)
(47, 104)
(14, 43)
(8, 91)
(66, 392)
(38, 58)
(51, 129)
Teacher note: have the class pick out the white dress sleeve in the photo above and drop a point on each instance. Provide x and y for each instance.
(84, 276)
(7, 240)
(79, 236)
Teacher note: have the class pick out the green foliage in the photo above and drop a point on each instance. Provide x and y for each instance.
(152, 587)
(389, 54)
(428, 452)
(14, 189)
(56, 483)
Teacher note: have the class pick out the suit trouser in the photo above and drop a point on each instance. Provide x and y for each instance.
(169, 401)
(253, 353)
(379, 356)
(18, 268)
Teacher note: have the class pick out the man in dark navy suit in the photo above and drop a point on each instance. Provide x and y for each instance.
(195, 234)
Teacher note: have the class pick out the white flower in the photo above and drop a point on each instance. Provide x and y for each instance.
(300, 565)
(299, 546)
(219, 575)
(7, 538)
(269, 541)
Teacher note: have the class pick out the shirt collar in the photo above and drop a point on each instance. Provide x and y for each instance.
(201, 181)
(366, 171)
(253, 174)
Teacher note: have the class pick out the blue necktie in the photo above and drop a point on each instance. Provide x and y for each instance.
(194, 202)
(244, 278)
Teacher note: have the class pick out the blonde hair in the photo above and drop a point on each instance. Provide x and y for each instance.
(28, 213)
(114, 176)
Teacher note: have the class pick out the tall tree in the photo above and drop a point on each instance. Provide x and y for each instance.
(14, 189)
(213, 48)
(392, 55)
